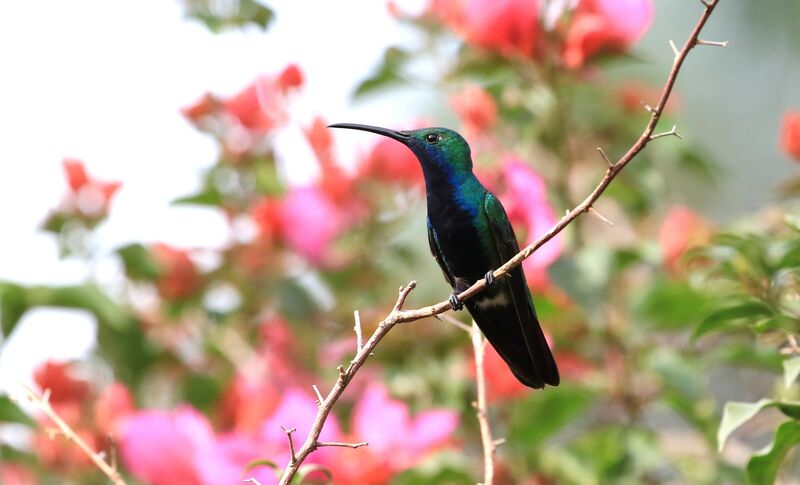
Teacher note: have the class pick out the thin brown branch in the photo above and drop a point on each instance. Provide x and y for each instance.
(481, 408)
(398, 315)
(43, 402)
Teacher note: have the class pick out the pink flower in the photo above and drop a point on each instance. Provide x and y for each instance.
(790, 134)
(396, 440)
(506, 26)
(161, 447)
(476, 108)
(225, 461)
(525, 201)
(310, 222)
(113, 406)
(605, 26)
(391, 162)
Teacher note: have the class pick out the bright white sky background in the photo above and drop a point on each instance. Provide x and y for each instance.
(103, 81)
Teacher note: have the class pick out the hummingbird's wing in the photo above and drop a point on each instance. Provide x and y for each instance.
(521, 308)
(433, 243)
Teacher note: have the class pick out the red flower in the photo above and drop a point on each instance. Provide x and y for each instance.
(179, 278)
(605, 26)
(790, 134)
(113, 405)
(91, 197)
(260, 106)
(64, 387)
(506, 26)
(476, 108)
(500, 381)
(392, 162)
(333, 180)
(681, 230)
(525, 201)
(266, 214)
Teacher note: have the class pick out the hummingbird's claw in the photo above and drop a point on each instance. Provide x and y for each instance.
(489, 278)
(455, 302)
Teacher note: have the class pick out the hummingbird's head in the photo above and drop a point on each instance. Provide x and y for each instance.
(437, 149)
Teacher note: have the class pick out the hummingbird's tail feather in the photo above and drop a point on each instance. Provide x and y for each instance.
(519, 341)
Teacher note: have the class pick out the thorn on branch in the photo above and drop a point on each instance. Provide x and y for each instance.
(651, 110)
(600, 216)
(605, 157)
(454, 322)
(672, 132)
(499, 441)
(289, 432)
(707, 3)
(251, 480)
(320, 399)
(714, 43)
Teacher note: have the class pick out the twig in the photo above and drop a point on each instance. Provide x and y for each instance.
(605, 157)
(43, 402)
(672, 132)
(289, 432)
(398, 315)
(481, 408)
(357, 328)
(319, 395)
(343, 445)
(715, 43)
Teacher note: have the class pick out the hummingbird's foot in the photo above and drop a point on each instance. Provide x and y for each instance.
(489, 278)
(455, 302)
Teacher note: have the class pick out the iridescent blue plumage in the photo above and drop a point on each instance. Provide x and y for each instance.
(470, 235)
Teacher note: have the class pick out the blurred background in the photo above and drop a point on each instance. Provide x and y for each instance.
(184, 242)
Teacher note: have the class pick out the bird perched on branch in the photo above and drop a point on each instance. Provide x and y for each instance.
(470, 236)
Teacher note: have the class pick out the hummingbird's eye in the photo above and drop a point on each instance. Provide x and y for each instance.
(432, 138)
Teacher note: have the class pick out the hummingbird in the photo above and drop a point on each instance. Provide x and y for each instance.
(470, 236)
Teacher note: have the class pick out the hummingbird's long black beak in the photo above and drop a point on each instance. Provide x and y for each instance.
(400, 136)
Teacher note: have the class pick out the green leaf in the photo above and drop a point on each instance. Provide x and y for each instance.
(11, 413)
(139, 262)
(209, 197)
(791, 369)
(526, 428)
(387, 74)
(13, 303)
(672, 304)
(729, 316)
(262, 462)
(305, 470)
(736, 414)
(763, 468)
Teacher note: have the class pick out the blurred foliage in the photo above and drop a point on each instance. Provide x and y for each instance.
(656, 323)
